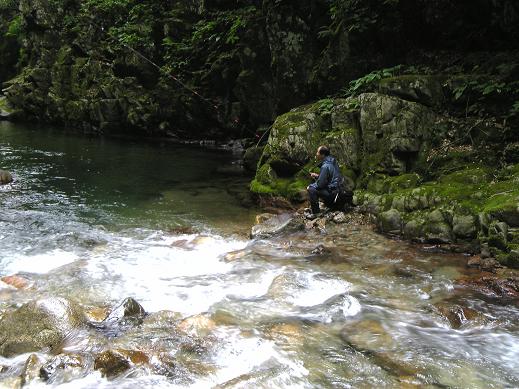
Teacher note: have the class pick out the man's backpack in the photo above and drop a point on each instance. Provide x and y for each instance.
(342, 196)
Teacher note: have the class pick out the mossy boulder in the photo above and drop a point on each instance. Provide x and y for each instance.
(396, 134)
(437, 228)
(423, 89)
(464, 226)
(38, 325)
(390, 222)
(284, 166)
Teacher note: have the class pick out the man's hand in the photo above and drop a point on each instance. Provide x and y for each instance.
(314, 175)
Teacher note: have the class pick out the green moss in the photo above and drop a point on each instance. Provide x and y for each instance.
(404, 181)
(509, 259)
(259, 188)
(505, 201)
(4, 105)
(473, 175)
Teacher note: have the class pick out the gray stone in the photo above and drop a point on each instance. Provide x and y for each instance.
(251, 158)
(464, 227)
(390, 221)
(284, 223)
(394, 131)
(413, 230)
(422, 89)
(484, 221)
(438, 233)
(340, 218)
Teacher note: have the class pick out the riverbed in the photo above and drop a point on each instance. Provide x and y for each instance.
(97, 220)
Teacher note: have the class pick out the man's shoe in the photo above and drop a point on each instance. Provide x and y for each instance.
(312, 216)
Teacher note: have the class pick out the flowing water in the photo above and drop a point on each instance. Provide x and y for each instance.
(96, 221)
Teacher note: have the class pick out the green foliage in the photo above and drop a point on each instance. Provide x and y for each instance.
(476, 93)
(8, 4)
(205, 31)
(366, 82)
(232, 36)
(14, 28)
(325, 106)
(515, 109)
(106, 6)
(357, 15)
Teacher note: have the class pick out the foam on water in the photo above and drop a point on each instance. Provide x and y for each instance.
(39, 264)
(161, 275)
(238, 356)
(315, 289)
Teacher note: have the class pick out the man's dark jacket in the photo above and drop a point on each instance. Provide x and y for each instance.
(330, 177)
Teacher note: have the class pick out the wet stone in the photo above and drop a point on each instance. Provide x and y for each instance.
(59, 364)
(5, 177)
(367, 335)
(320, 250)
(340, 218)
(31, 369)
(16, 281)
(284, 223)
(11, 382)
(111, 363)
(263, 217)
(198, 325)
(38, 325)
(457, 315)
(127, 310)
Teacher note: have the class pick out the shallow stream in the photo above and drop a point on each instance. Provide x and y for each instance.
(98, 220)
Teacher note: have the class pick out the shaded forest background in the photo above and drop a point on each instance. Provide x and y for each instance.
(227, 68)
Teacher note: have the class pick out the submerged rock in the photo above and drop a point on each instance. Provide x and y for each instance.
(31, 369)
(38, 325)
(5, 177)
(16, 281)
(198, 325)
(367, 335)
(61, 363)
(457, 315)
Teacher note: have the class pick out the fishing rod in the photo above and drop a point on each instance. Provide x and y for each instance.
(156, 66)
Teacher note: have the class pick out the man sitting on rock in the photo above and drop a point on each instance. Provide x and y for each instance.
(329, 184)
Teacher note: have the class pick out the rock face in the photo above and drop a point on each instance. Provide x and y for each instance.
(38, 325)
(373, 132)
(247, 63)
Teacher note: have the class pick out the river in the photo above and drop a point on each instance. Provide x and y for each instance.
(97, 220)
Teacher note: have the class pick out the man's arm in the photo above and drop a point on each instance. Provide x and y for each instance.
(324, 178)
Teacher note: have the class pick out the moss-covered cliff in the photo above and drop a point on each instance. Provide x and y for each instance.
(225, 68)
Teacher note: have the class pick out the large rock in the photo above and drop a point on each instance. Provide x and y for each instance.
(276, 225)
(38, 325)
(390, 222)
(395, 132)
(464, 226)
(426, 90)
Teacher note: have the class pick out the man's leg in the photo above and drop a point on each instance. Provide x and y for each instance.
(327, 197)
(313, 195)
